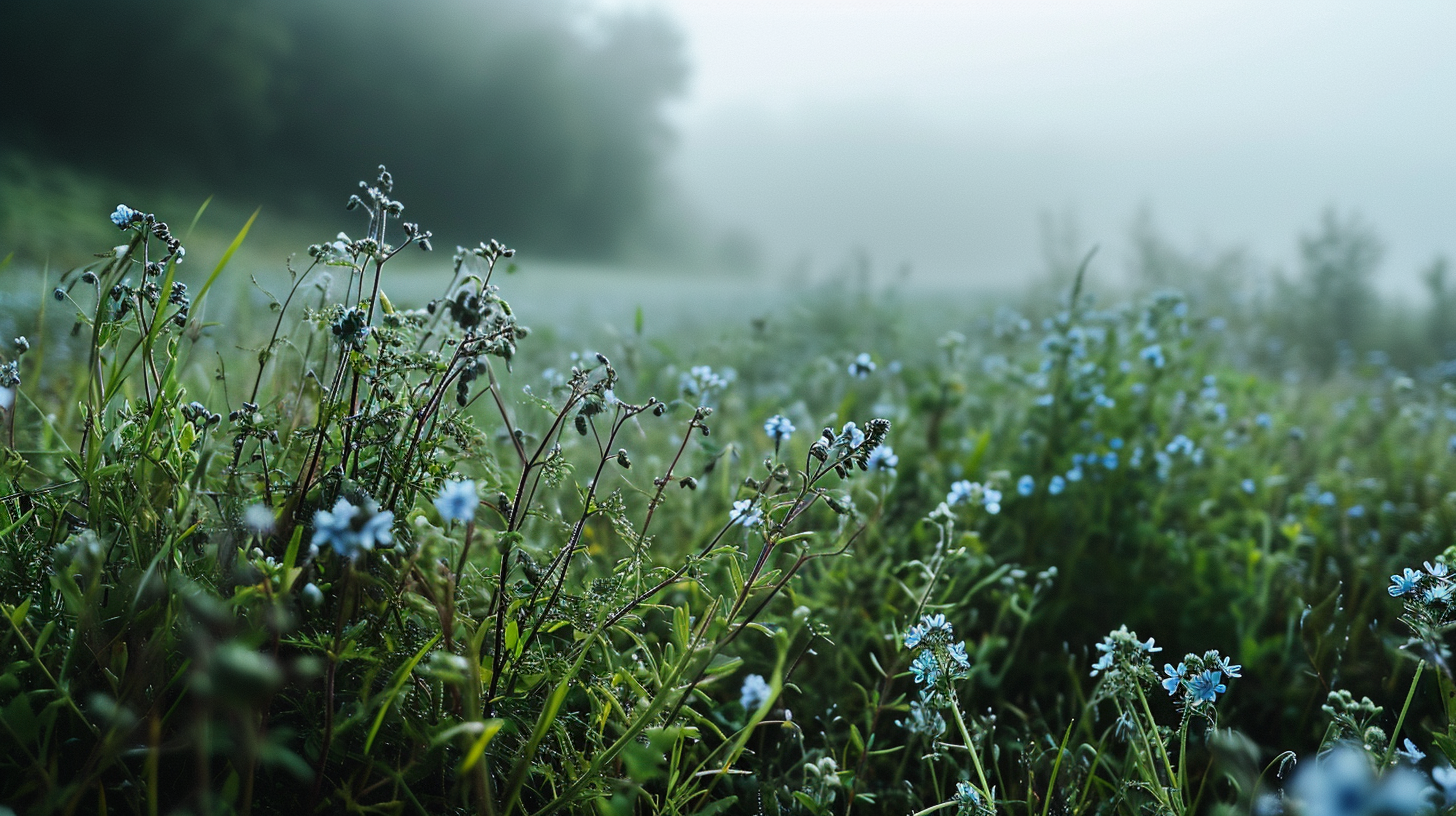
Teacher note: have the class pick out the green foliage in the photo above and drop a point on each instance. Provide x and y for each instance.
(389, 557)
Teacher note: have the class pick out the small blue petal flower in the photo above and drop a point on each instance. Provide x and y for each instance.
(1404, 582)
(754, 692)
(745, 513)
(961, 662)
(925, 668)
(1056, 485)
(1174, 677)
(1109, 461)
(778, 427)
(936, 625)
(1436, 570)
(457, 500)
(863, 366)
(1441, 593)
(914, 635)
(1075, 474)
(123, 216)
(960, 492)
(1205, 686)
(1248, 486)
(991, 500)
(1025, 485)
(966, 796)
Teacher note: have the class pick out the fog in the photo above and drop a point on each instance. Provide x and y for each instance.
(948, 135)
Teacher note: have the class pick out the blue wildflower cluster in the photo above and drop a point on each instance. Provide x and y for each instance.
(1429, 596)
(1200, 678)
(1125, 662)
(937, 660)
(971, 493)
(862, 366)
(702, 383)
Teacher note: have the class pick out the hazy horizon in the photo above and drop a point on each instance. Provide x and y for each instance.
(943, 134)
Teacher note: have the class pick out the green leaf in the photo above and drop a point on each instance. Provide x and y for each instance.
(226, 256)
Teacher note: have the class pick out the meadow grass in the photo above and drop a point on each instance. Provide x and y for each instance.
(353, 554)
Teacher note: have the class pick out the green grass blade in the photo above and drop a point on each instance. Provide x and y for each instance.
(226, 256)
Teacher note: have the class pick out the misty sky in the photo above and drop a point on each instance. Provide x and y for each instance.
(941, 133)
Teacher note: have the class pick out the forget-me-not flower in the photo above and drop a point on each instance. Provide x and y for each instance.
(457, 500)
(1403, 582)
(960, 492)
(1174, 677)
(349, 532)
(863, 366)
(1205, 687)
(778, 427)
(1056, 485)
(745, 513)
(991, 500)
(755, 690)
(1025, 485)
(123, 216)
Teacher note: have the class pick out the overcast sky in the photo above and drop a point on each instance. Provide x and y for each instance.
(940, 133)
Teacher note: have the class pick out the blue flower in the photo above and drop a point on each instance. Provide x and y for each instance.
(123, 216)
(1153, 354)
(1326, 499)
(1411, 752)
(1116, 443)
(914, 635)
(1436, 570)
(937, 627)
(959, 492)
(966, 796)
(1205, 686)
(1025, 485)
(1104, 401)
(1056, 485)
(960, 661)
(862, 366)
(1248, 486)
(1231, 669)
(925, 668)
(1174, 677)
(457, 500)
(1264, 421)
(1403, 582)
(348, 532)
(883, 460)
(991, 499)
(1109, 461)
(754, 692)
(850, 436)
(745, 513)
(778, 427)
(1441, 593)
(1075, 474)
(1356, 511)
